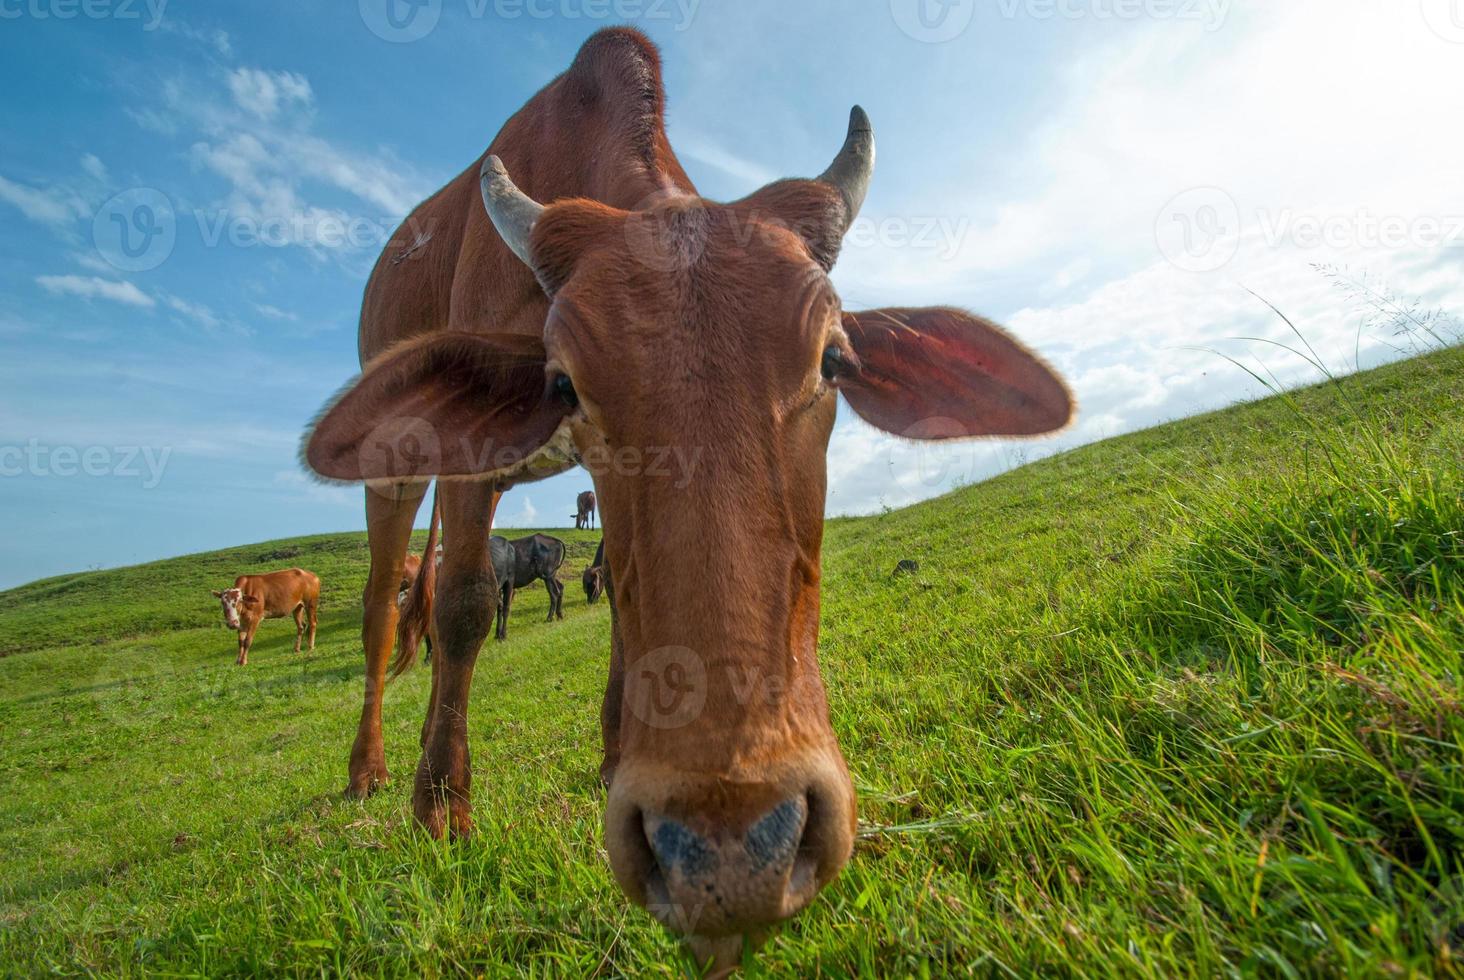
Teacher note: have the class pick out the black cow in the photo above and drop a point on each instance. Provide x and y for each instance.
(520, 563)
(594, 577)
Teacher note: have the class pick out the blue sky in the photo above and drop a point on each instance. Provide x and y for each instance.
(1107, 177)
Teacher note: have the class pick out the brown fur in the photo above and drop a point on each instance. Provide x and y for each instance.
(682, 324)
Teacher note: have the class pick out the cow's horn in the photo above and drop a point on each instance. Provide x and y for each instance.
(854, 166)
(512, 211)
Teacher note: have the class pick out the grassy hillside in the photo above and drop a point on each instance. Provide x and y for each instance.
(1184, 702)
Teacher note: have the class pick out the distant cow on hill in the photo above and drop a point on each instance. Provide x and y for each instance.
(585, 511)
(274, 595)
(536, 557)
(594, 577)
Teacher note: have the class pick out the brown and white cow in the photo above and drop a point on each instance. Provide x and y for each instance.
(584, 506)
(410, 567)
(595, 310)
(273, 595)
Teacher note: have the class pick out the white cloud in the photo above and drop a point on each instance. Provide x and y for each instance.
(298, 485)
(525, 517)
(197, 312)
(702, 149)
(94, 168)
(53, 206)
(278, 171)
(1291, 112)
(265, 93)
(94, 287)
(275, 313)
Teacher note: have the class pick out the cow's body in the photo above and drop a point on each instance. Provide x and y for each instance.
(273, 595)
(591, 308)
(584, 516)
(523, 562)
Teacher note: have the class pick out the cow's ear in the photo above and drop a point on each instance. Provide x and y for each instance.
(453, 404)
(218, 594)
(251, 601)
(942, 373)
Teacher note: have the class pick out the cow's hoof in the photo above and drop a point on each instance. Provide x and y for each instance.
(443, 815)
(363, 785)
(443, 811)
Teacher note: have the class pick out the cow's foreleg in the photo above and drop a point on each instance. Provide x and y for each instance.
(463, 614)
(389, 517)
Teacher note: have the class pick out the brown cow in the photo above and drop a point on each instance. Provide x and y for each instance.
(623, 319)
(584, 511)
(273, 595)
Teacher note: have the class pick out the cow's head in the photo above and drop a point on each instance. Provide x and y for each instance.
(594, 583)
(691, 361)
(236, 604)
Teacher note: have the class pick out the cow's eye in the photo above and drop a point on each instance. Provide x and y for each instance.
(834, 365)
(564, 390)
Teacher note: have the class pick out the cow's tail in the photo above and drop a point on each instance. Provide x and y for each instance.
(416, 612)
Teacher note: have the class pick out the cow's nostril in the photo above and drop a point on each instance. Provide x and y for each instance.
(773, 841)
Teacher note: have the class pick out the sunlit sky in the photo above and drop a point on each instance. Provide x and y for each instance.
(193, 193)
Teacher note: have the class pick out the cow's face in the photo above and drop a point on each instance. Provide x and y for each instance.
(231, 600)
(691, 360)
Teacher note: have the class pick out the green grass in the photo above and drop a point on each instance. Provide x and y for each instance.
(1188, 702)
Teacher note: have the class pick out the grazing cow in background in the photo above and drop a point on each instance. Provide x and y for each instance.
(584, 511)
(410, 567)
(594, 576)
(536, 557)
(593, 307)
(274, 595)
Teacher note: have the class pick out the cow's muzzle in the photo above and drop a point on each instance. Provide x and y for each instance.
(721, 862)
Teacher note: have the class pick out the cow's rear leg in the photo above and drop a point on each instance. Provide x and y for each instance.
(314, 610)
(389, 518)
(299, 625)
(505, 603)
(463, 614)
